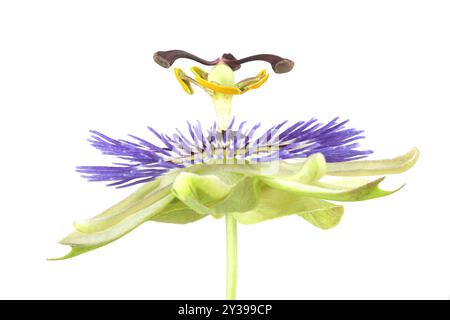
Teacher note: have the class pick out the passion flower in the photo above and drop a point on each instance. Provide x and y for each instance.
(232, 170)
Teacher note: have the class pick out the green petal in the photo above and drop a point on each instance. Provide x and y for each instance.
(139, 200)
(274, 203)
(143, 197)
(243, 197)
(84, 242)
(288, 170)
(75, 251)
(323, 214)
(230, 178)
(140, 193)
(366, 191)
(346, 183)
(374, 167)
(199, 191)
(313, 169)
(95, 223)
(177, 212)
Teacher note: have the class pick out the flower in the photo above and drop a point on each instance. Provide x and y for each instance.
(231, 171)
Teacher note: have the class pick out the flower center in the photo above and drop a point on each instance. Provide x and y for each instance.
(220, 83)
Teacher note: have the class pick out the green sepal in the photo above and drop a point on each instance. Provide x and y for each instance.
(76, 251)
(177, 212)
(275, 203)
(374, 167)
(313, 169)
(366, 191)
(138, 200)
(84, 242)
(288, 170)
(243, 197)
(198, 192)
(322, 214)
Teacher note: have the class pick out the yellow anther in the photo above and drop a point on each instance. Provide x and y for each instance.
(217, 87)
(253, 82)
(263, 78)
(182, 79)
(199, 72)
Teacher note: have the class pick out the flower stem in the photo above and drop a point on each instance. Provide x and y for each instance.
(231, 227)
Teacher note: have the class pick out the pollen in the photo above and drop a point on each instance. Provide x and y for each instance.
(181, 77)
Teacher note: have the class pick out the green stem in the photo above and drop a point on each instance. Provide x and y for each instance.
(231, 227)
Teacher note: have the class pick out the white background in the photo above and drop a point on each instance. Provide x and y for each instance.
(70, 66)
